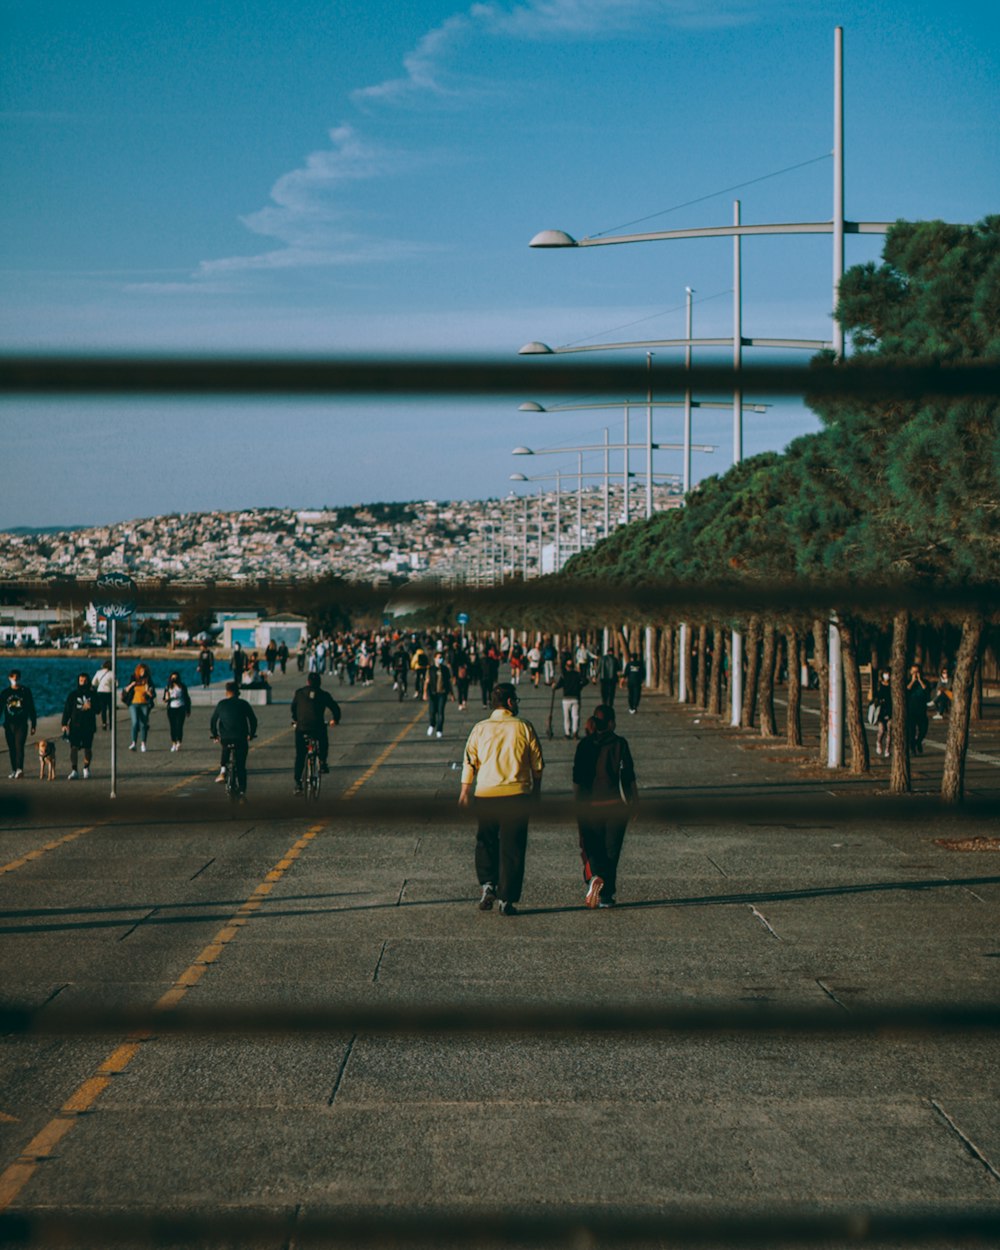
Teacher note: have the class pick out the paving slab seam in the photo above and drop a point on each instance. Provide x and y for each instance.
(966, 1141)
(43, 1145)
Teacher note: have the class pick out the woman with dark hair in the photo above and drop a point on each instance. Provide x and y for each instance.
(178, 701)
(603, 781)
(79, 724)
(140, 696)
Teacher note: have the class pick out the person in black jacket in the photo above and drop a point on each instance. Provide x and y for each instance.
(79, 724)
(439, 691)
(17, 705)
(571, 683)
(311, 705)
(234, 724)
(634, 673)
(604, 785)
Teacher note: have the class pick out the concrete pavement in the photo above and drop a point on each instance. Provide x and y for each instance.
(826, 913)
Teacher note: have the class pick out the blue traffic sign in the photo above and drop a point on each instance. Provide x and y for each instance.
(462, 618)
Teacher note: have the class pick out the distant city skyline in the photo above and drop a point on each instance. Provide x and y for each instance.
(357, 178)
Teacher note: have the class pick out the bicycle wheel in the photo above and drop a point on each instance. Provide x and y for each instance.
(313, 774)
(232, 785)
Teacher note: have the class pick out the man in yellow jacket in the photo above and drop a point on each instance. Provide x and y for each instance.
(503, 760)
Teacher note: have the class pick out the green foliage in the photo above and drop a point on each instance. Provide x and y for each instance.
(887, 490)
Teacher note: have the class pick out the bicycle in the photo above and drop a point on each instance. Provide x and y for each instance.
(232, 782)
(313, 773)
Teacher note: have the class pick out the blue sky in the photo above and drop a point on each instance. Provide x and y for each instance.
(360, 176)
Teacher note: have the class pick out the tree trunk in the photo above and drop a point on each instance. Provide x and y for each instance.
(821, 664)
(899, 771)
(667, 667)
(768, 725)
(853, 708)
(701, 683)
(963, 681)
(793, 726)
(715, 682)
(751, 681)
(977, 691)
(654, 658)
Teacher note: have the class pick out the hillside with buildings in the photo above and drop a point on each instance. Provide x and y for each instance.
(470, 540)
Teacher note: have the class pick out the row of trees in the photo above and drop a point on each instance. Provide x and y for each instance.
(891, 493)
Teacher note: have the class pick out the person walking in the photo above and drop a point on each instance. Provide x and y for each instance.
(634, 672)
(17, 704)
(238, 663)
(883, 714)
(605, 787)
(103, 682)
(234, 724)
(916, 709)
(206, 662)
(139, 696)
(571, 683)
(283, 656)
(503, 763)
(400, 671)
(79, 724)
(439, 691)
(609, 668)
(178, 701)
(271, 655)
(311, 706)
(943, 694)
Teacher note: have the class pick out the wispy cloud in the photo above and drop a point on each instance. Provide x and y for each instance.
(308, 215)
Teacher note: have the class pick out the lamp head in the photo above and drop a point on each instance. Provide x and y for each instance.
(553, 238)
(522, 451)
(518, 477)
(529, 405)
(535, 349)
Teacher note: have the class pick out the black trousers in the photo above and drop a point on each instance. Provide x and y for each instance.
(601, 838)
(177, 716)
(435, 710)
(242, 751)
(102, 708)
(608, 687)
(321, 736)
(501, 844)
(634, 694)
(16, 733)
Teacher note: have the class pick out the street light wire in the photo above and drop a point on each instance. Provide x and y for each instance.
(738, 186)
(664, 312)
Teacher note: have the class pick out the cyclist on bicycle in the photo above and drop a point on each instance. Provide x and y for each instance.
(310, 707)
(234, 724)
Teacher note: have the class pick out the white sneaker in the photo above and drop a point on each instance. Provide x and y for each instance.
(439, 734)
(86, 773)
(430, 730)
(142, 746)
(18, 772)
(73, 775)
(131, 746)
(221, 777)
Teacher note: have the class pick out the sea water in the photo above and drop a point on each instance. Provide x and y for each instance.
(50, 680)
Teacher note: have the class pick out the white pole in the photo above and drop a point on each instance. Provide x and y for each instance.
(736, 640)
(835, 725)
(541, 526)
(835, 729)
(687, 397)
(625, 472)
(607, 499)
(114, 707)
(524, 545)
(736, 678)
(558, 520)
(649, 435)
(579, 501)
(838, 180)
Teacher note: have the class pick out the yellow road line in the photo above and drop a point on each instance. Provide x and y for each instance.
(42, 1146)
(43, 850)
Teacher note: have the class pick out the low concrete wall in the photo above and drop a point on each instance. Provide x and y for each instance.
(200, 697)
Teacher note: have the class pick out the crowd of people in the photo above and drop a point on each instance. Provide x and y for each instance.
(502, 762)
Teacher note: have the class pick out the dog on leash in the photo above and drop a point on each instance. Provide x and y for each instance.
(46, 760)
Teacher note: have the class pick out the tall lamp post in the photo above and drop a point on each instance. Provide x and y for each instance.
(837, 227)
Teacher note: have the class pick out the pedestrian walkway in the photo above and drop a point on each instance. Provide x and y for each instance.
(828, 913)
